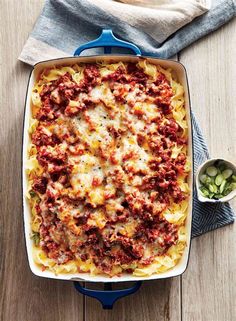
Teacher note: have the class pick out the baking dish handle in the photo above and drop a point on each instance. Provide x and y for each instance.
(107, 297)
(108, 40)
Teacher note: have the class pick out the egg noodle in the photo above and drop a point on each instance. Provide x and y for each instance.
(107, 169)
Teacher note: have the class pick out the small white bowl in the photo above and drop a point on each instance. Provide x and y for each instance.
(201, 171)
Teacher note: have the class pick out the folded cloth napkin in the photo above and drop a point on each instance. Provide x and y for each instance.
(66, 24)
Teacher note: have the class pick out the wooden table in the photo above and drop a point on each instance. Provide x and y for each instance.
(207, 290)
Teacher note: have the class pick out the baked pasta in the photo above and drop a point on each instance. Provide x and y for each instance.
(108, 169)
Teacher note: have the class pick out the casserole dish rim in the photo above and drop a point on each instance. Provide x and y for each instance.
(25, 140)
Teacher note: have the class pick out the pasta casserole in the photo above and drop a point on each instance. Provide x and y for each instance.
(108, 168)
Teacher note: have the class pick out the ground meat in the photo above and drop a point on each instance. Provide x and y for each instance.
(40, 185)
(133, 148)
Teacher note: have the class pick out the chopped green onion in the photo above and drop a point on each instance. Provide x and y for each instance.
(211, 171)
(219, 179)
(210, 180)
(204, 191)
(232, 185)
(227, 184)
(222, 186)
(227, 173)
(203, 178)
(227, 191)
(217, 196)
(211, 188)
(215, 188)
(233, 178)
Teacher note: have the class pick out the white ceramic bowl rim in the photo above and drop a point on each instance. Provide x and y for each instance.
(182, 265)
(202, 169)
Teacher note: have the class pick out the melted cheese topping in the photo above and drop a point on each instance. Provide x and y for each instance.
(108, 169)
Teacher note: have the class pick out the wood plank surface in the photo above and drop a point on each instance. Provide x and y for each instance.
(207, 291)
(156, 300)
(208, 285)
(23, 297)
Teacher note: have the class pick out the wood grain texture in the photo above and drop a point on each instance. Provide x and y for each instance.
(156, 300)
(207, 290)
(23, 297)
(209, 283)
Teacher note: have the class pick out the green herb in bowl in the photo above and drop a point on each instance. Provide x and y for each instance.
(217, 181)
